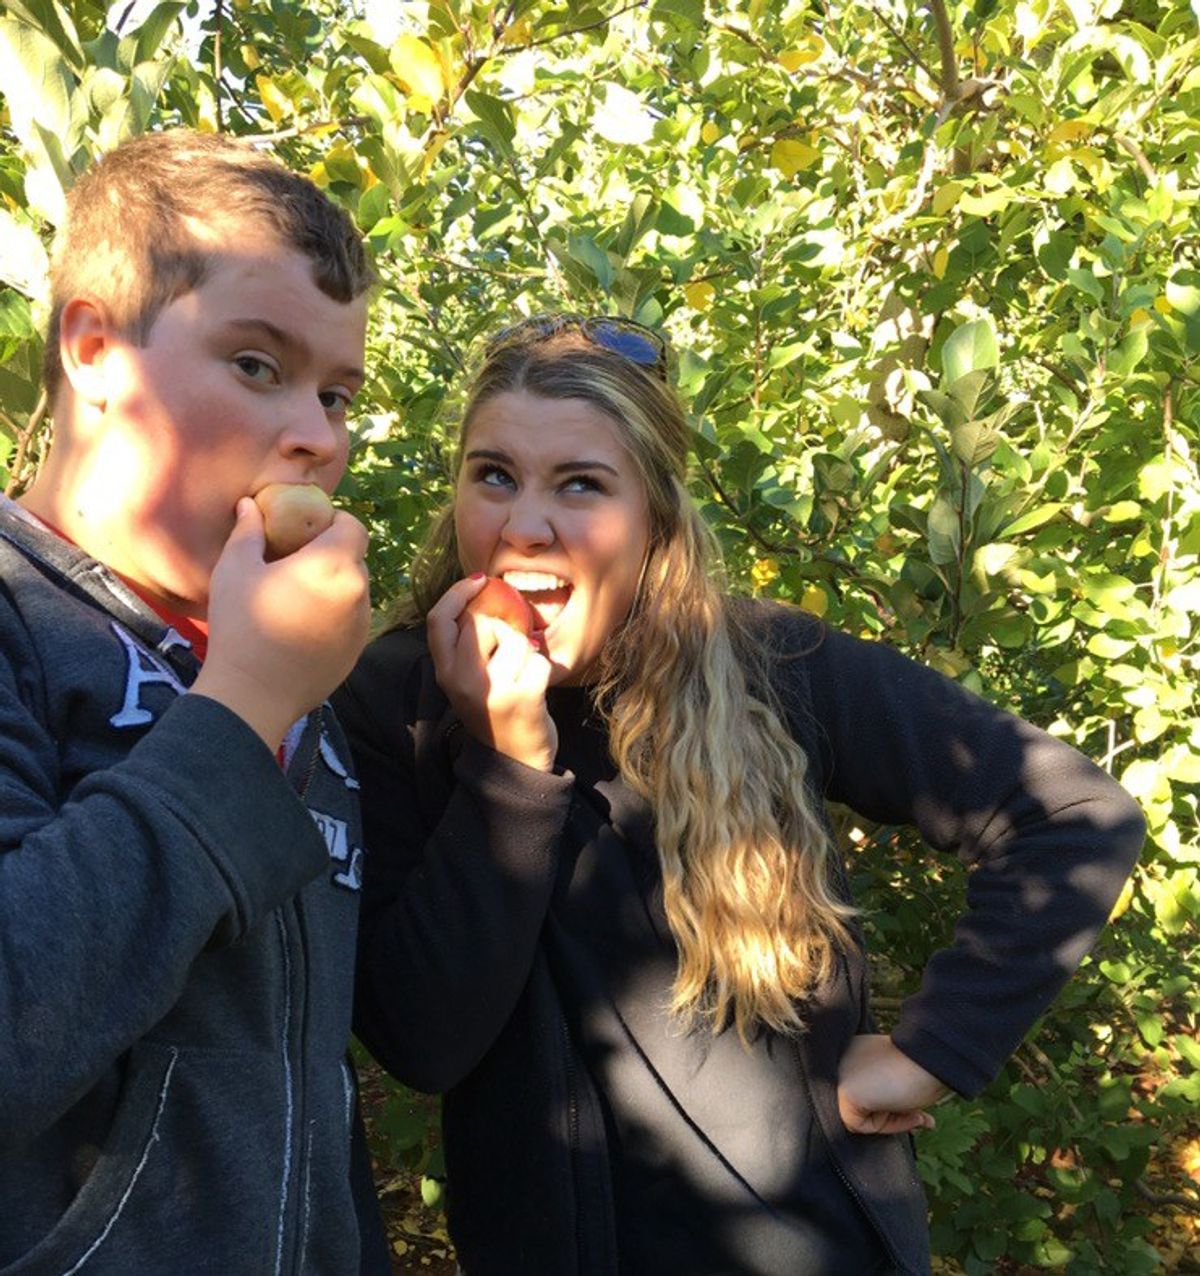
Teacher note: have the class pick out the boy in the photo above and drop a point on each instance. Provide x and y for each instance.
(179, 831)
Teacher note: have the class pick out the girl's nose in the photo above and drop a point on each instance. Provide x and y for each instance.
(528, 525)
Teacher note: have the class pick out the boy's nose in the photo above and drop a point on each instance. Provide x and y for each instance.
(311, 433)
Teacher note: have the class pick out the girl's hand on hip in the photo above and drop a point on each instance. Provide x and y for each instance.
(494, 677)
(882, 1091)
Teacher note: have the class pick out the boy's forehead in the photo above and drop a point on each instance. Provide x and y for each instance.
(263, 296)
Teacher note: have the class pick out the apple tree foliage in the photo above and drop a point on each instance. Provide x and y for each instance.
(931, 273)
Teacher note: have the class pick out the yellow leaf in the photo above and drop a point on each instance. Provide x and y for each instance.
(318, 176)
(1123, 901)
(789, 155)
(278, 104)
(948, 660)
(518, 33)
(815, 600)
(709, 133)
(764, 571)
(807, 51)
(418, 67)
(1139, 317)
(940, 260)
(1069, 131)
(1163, 306)
(250, 57)
(946, 196)
(432, 148)
(699, 294)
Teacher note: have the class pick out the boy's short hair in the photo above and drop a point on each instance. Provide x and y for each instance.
(131, 241)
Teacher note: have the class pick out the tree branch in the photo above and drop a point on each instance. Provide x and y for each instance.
(298, 130)
(590, 26)
(1188, 1203)
(898, 36)
(945, 34)
(25, 437)
(219, 15)
(1139, 156)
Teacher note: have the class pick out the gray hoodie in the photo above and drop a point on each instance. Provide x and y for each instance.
(177, 929)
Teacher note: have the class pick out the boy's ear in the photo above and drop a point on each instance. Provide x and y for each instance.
(83, 337)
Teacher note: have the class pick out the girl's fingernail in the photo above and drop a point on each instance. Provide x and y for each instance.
(477, 575)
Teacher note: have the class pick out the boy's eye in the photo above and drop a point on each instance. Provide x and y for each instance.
(335, 400)
(255, 368)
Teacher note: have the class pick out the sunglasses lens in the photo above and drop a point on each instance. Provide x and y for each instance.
(635, 346)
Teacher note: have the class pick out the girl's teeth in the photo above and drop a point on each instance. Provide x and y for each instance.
(533, 582)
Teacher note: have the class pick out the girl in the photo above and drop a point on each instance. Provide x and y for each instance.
(603, 913)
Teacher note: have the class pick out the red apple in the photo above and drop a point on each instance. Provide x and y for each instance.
(293, 513)
(502, 601)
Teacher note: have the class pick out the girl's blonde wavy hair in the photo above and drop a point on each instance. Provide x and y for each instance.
(693, 724)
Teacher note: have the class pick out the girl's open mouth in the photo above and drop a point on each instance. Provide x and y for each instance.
(546, 593)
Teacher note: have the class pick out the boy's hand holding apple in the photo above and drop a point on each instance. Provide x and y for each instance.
(288, 608)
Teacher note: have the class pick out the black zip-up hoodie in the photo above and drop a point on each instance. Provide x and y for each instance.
(177, 925)
(515, 954)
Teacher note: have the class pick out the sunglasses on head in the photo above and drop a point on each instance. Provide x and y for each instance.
(626, 337)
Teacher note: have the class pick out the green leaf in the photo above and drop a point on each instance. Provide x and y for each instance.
(155, 28)
(588, 253)
(371, 52)
(1151, 1028)
(1122, 512)
(641, 217)
(18, 394)
(968, 389)
(1109, 648)
(688, 12)
(1029, 1099)
(16, 321)
(1188, 1048)
(1131, 351)
(972, 442)
(37, 84)
(1087, 283)
(943, 531)
(1036, 517)
(971, 347)
(947, 408)
(495, 116)
(1107, 590)
(1054, 253)
(53, 21)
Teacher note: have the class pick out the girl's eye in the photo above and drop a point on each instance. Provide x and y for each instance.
(255, 368)
(493, 476)
(582, 483)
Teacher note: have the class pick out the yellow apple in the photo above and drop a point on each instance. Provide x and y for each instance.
(293, 513)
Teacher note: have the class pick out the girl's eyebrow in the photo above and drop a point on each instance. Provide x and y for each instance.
(570, 467)
(563, 467)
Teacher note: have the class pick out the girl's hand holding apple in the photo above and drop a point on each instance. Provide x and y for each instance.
(491, 669)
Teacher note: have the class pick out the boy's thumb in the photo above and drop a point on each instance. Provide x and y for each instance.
(247, 535)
